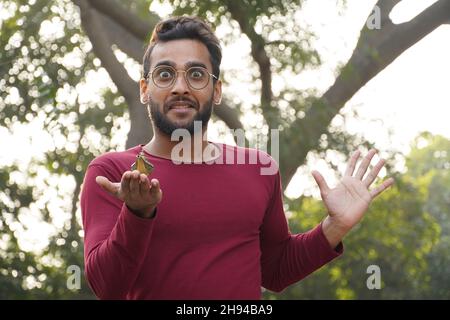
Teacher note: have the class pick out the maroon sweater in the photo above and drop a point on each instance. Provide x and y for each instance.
(220, 232)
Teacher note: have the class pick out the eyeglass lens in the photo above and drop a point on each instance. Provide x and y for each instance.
(165, 76)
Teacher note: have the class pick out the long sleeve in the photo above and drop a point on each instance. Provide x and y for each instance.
(116, 240)
(288, 258)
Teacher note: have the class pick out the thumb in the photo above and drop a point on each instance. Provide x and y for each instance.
(320, 180)
(106, 185)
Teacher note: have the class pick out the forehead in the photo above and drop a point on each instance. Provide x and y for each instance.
(180, 52)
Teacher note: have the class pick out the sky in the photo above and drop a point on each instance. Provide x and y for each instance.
(409, 96)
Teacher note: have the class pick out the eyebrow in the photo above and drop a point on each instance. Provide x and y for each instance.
(187, 65)
(191, 64)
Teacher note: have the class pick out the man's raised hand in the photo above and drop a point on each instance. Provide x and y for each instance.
(349, 200)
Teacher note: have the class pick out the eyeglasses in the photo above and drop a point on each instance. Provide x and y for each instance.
(197, 78)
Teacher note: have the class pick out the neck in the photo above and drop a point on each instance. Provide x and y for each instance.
(192, 148)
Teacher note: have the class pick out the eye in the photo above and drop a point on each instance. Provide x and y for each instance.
(196, 74)
(164, 74)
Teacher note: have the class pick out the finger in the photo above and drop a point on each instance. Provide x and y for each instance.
(154, 185)
(155, 190)
(386, 184)
(365, 164)
(125, 183)
(352, 163)
(134, 182)
(370, 178)
(112, 188)
(323, 186)
(144, 185)
(104, 183)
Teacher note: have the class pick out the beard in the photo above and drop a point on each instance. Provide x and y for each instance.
(167, 126)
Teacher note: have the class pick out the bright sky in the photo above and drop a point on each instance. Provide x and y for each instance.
(409, 96)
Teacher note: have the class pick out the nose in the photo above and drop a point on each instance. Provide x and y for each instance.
(180, 87)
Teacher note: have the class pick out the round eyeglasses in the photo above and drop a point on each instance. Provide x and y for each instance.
(197, 78)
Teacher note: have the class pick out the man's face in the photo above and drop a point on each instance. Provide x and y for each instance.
(179, 105)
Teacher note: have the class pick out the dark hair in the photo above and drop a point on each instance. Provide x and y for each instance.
(175, 28)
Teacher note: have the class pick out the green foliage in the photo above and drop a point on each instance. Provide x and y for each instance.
(430, 161)
(14, 262)
(41, 70)
(406, 232)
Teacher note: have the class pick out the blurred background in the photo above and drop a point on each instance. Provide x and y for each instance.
(332, 75)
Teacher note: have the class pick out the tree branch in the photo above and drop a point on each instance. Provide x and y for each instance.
(386, 7)
(375, 50)
(118, 74)
(139, 28)
(259, 54)
(228, 115)
(125, 41)
(102, 48)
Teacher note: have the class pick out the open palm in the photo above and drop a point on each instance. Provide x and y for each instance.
(349, 200)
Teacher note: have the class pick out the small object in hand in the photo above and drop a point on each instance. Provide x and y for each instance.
(142, 164)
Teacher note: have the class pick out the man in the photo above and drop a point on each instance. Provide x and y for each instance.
(219, 230)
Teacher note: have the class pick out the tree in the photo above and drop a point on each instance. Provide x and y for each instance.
(375, 50)
(41, 75)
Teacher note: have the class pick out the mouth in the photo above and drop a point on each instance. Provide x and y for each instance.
(181, 105)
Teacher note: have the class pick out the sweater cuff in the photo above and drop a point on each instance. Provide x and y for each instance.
(134, 218)
(133, 231)
(334, 252)
(149, 218)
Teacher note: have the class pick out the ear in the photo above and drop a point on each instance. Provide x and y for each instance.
(217, 95)
(143, 91)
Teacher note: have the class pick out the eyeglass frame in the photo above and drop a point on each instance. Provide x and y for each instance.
(150, 75)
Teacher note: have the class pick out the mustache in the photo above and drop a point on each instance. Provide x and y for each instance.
(169, 104)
